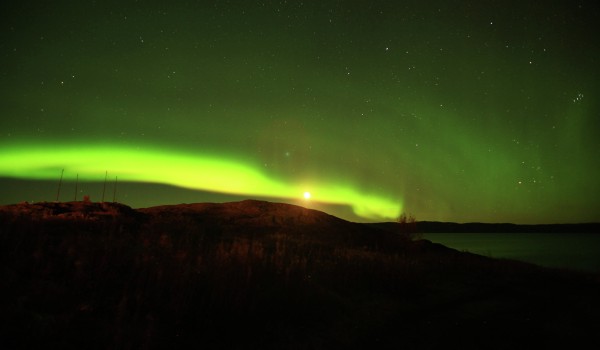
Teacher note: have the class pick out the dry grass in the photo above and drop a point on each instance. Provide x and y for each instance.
(184, 281)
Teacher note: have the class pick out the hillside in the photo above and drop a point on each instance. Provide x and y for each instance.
(255, 274)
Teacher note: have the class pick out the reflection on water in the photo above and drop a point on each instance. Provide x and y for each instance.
(566, 250)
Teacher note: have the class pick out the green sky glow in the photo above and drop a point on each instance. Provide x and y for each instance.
(452, 111)
(179, 169)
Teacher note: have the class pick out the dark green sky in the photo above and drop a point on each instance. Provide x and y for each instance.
(457, 111)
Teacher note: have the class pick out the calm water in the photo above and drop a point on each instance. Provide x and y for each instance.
(566, 250)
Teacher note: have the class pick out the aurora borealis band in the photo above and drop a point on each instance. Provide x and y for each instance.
(194, 172)
(451, 111)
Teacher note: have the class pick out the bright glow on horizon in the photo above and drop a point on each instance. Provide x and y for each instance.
(201, 172)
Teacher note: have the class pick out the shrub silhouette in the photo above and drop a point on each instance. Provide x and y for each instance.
(407, 226)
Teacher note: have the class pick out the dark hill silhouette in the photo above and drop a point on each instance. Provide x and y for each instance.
(66, 210)
(252, 216)
(256, 218)
(255, 274)
(478, 227)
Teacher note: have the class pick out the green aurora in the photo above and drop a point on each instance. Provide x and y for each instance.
(450, 111)
(196, 172)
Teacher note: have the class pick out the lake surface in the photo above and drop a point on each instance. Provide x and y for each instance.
(579, 251)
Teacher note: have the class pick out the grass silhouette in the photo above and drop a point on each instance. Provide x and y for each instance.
(263, 275)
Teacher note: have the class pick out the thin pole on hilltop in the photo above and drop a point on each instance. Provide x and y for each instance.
(76, 183)
(115, 191)
(104, 189)
(59, 184)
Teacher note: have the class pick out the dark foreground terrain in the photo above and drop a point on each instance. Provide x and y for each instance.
(259, 275)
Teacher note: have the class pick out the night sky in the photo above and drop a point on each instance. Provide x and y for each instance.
(448, 110)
